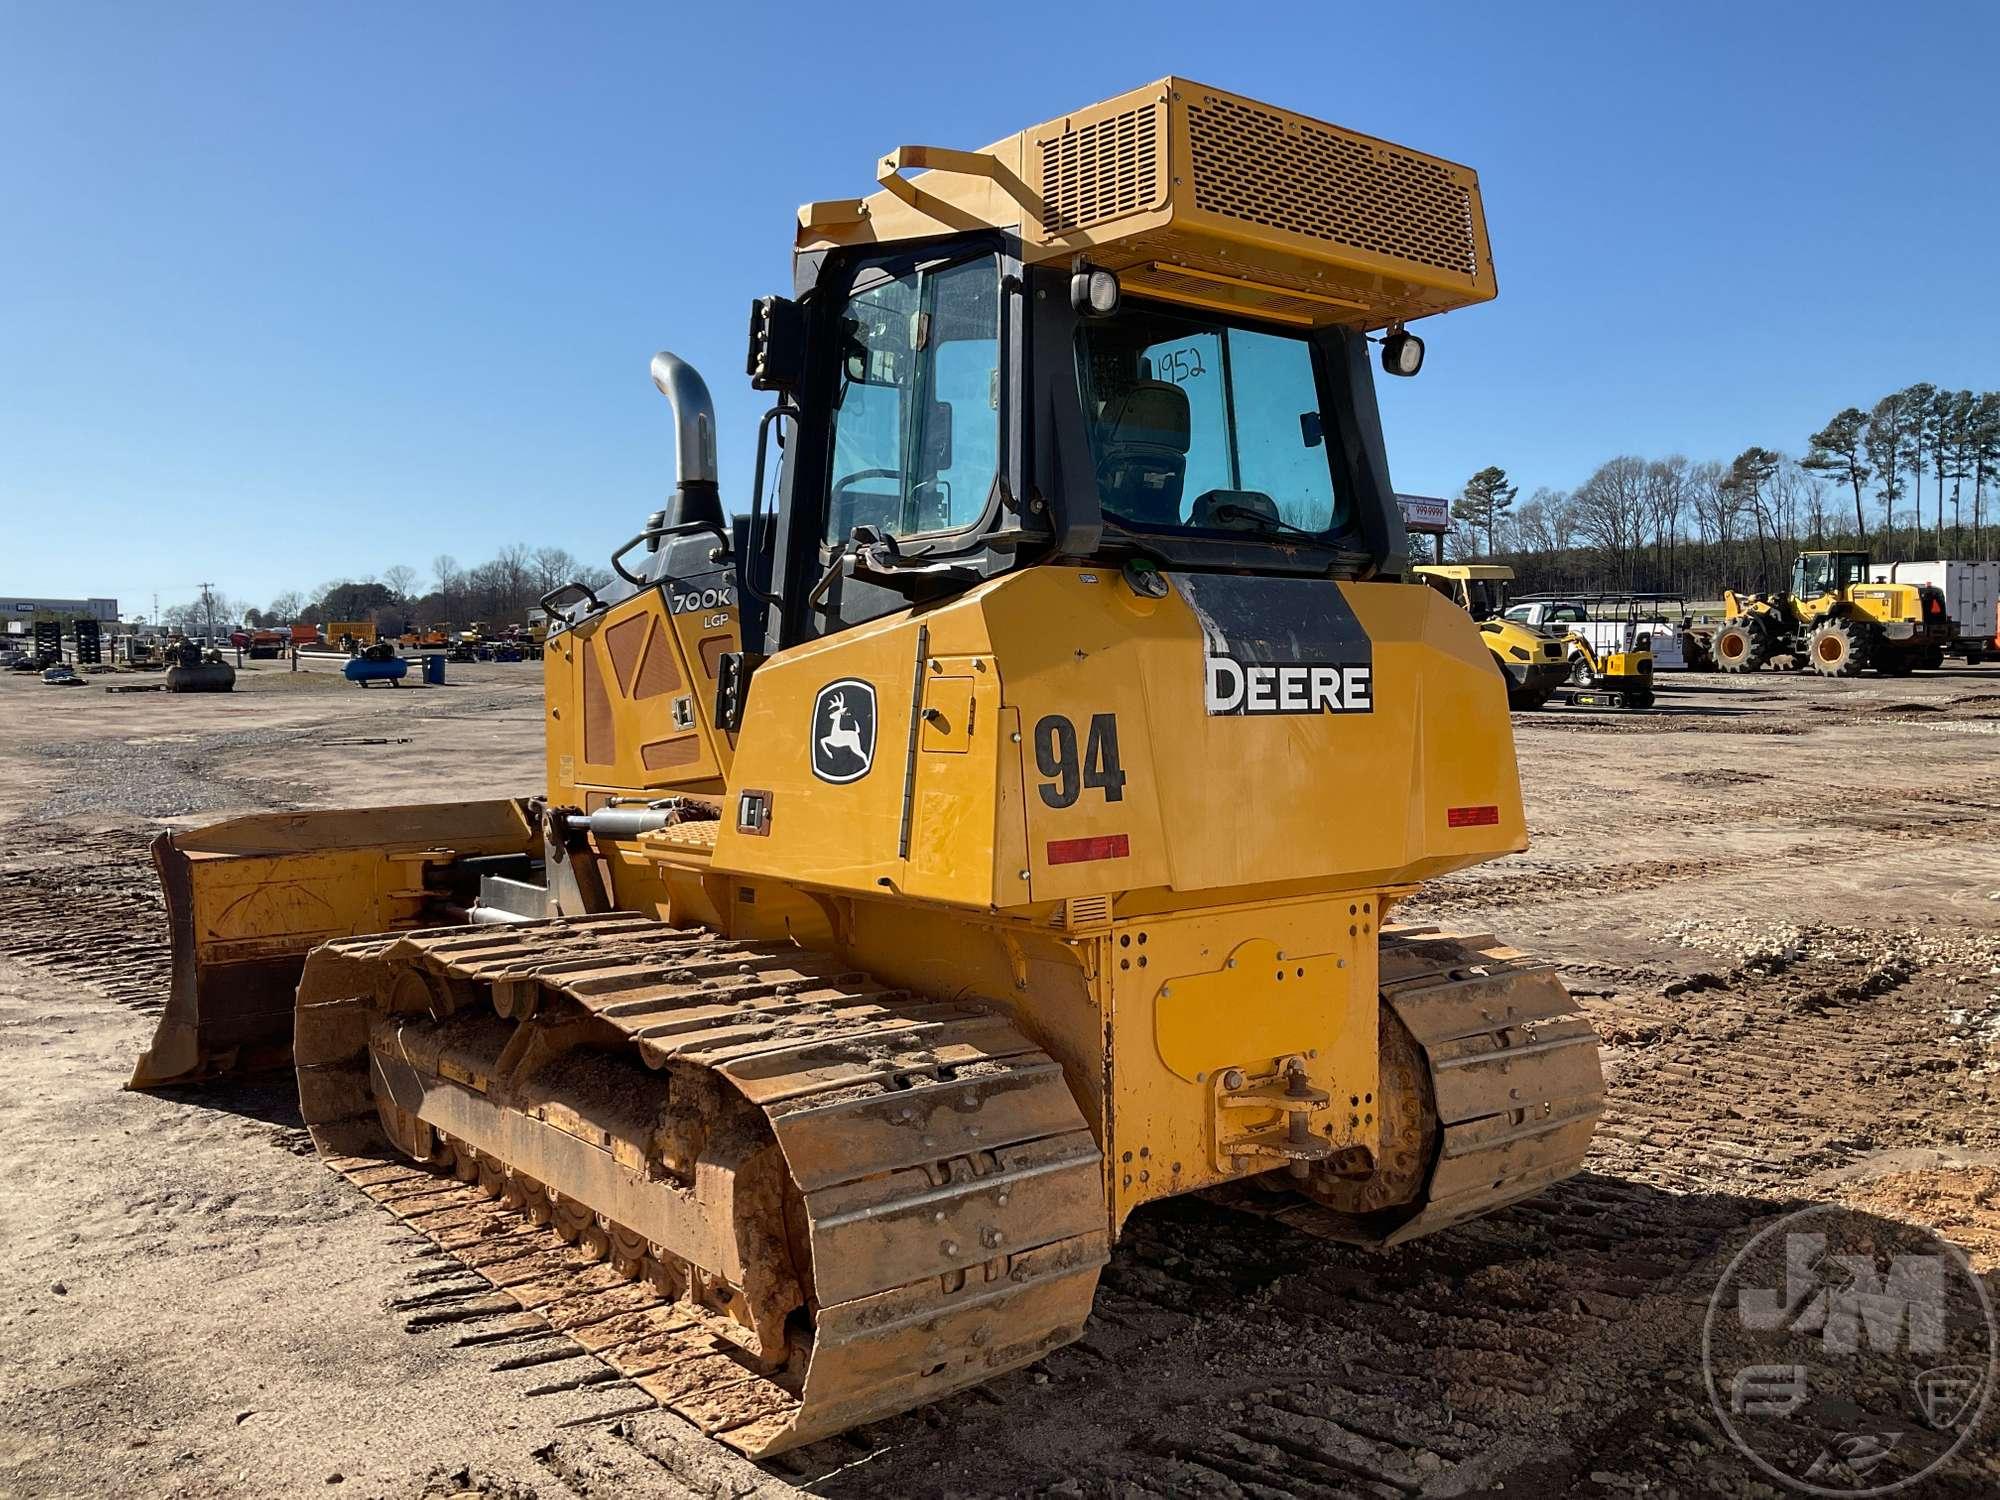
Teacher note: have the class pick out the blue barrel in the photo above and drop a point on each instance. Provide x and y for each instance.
(364, 670)
(434, 669)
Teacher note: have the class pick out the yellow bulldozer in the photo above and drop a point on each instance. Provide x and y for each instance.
(1836, 622)
(997, 836)
(1534, 662)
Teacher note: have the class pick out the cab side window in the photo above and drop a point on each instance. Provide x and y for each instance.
(916, 407)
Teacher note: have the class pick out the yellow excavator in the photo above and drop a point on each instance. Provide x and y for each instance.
(999, 834)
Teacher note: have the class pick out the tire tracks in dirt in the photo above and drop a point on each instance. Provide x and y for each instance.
(85, 907)
(1545, 1347)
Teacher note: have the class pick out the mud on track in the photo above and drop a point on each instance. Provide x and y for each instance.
(1782, 910)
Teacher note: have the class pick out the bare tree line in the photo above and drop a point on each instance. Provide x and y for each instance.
(497, 592)
(1905, 479)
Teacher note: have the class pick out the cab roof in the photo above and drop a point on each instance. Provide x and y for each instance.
(1200, 196)
(1470, 571)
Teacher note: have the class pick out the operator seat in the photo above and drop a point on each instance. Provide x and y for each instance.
(1142, 453)
(1248, 505)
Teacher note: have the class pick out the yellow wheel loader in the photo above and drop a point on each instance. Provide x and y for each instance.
(1835, 621)
(1534, 662)
(998, 835)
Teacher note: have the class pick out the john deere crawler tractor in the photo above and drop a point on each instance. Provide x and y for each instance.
(1833, 620)
(1000, 834)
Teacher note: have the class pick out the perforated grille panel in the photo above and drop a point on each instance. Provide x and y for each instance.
(1270, 169)
(1099, 171)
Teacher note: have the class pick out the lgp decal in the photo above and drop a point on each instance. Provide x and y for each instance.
(1279, 646)
(843, 730)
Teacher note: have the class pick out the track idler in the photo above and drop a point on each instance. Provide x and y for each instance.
(1491, 1088)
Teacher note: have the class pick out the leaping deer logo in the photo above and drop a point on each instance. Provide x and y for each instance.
(846, 749)
(842, 733)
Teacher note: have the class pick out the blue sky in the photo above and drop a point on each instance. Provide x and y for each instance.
(293, 292)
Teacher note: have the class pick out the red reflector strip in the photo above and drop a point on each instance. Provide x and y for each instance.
(1472, 817)
(1076, 851)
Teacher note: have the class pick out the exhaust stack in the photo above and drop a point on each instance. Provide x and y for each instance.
(696, 495)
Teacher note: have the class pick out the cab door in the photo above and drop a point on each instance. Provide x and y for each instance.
(908, 432)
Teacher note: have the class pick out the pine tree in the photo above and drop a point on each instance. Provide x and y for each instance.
(1917, 425)
(1983, 449)
(1952, 457)
(1883, 442)
(1748, 473)
(1836, 452)
(1484, 499)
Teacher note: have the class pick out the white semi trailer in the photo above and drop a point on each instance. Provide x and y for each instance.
(1972, 596)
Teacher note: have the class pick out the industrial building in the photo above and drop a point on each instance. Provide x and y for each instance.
(20, 607)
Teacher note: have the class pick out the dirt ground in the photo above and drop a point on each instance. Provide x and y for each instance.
(1778, 897)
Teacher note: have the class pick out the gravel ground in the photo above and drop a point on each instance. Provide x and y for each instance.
(1779, 899)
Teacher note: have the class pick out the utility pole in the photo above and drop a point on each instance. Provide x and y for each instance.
(208, 607)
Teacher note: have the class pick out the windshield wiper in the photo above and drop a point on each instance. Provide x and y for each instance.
(1230, 510)
(1136, 542)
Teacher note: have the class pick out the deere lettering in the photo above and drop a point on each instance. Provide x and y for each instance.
(1279, 645)
(1235, 687)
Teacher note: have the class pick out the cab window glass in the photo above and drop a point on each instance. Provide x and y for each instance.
(1200, 425)
(916, 410)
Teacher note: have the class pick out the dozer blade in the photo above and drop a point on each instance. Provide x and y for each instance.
(779, 1198)
(248, 898)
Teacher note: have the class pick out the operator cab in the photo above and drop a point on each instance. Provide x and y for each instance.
(953, 415)
(1485, 598)
(1480, 589)
(1817, 573)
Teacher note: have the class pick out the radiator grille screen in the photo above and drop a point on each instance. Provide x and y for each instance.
(1101, 170)
(1265, 168)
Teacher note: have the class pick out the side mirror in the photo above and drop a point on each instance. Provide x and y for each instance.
(1402, 354)
(874, 361)
(777, 344)
(1311, 429)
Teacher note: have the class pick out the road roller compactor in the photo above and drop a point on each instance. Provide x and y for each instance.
(992, 834)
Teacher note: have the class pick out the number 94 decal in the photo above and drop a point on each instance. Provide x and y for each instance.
(1068, 778)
